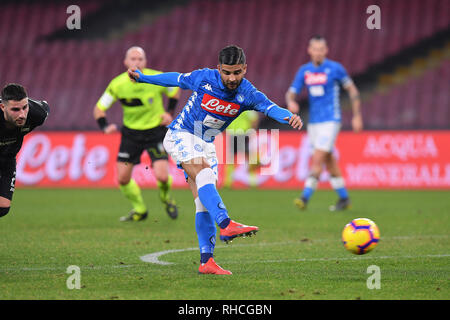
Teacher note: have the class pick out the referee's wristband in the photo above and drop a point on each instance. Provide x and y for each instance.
(102, 123)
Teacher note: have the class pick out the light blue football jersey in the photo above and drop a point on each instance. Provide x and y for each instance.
(212, 106)
(322, 83)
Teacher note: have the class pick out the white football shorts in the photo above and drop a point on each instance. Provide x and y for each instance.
(183, 146)
(322, 135)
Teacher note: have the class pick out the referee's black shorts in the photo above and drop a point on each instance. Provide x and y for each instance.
(134, 142)
(7, 178)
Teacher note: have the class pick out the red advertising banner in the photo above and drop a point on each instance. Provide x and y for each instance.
(78, 159)
(372, 159)
(67, 159)
(376, 159)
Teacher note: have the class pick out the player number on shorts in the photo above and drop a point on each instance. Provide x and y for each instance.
(13, 182)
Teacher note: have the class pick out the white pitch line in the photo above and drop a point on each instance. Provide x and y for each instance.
(62, 269)
(154, 257)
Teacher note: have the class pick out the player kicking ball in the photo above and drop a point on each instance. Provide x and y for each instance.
(218, 97)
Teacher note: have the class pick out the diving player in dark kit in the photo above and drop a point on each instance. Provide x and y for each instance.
(19, 115)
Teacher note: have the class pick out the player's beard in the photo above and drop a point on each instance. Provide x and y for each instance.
(318, 61)
(234, 84)
(19, 122)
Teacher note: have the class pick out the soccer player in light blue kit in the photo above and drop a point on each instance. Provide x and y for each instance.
(322, 78)
(218, 97)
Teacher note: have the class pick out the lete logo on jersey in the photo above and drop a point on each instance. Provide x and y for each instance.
(313, 78)
(217, 106)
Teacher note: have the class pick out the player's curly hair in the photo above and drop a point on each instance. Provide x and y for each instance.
(232, 55)
(13, 91)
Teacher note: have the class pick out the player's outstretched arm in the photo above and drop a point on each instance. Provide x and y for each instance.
(284, 116)
(295, 121)
(272, 110)
(167, 79)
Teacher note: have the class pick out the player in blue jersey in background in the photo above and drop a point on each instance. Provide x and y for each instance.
(322, 78)
(218, 97)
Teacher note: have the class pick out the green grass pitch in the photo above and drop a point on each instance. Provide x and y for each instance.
(295, 255)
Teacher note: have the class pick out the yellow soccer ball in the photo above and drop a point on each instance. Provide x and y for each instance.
(360, 236)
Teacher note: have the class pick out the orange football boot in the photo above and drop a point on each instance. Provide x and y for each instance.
(235, 229)
(211, 267)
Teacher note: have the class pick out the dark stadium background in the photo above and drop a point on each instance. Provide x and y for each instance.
(402, 69)
(67, 204)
